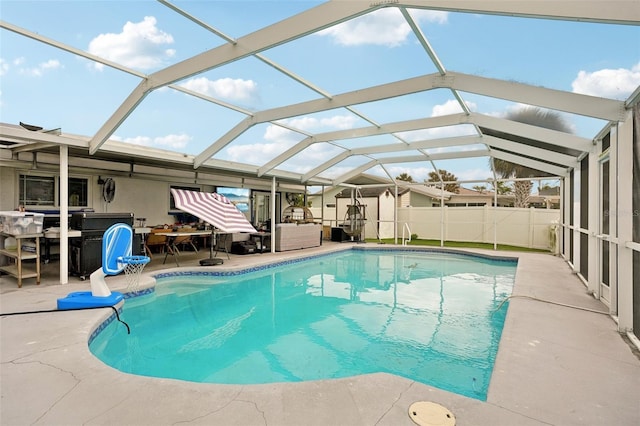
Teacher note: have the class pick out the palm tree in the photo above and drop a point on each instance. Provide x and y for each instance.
(501, 187)
(521, 188)
(536, 117)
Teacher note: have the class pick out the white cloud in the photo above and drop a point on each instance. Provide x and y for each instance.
(608, 83)
(340, 122)
(282, 135)
(167, 142)
(336, 171)
(138, 140)
(449, 107)
(259, 153)
(474, 174)
(4, 67)
(311, 124)
(139, 45)
(419, 174)
(279, 139)
(256, 153)
(228, 88)
(383, 27)
(172, 141)
(40, 69)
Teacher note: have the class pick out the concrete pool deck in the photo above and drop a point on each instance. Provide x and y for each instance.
(556, 365)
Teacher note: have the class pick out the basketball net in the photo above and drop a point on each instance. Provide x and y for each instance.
(133, 266)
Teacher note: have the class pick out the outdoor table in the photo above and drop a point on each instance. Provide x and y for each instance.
(171, 237)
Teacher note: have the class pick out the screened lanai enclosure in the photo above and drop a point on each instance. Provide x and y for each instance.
(280, 97)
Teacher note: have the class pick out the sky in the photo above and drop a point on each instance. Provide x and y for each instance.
(49, 87)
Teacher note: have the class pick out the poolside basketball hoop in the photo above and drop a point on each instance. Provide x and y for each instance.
(133, 266)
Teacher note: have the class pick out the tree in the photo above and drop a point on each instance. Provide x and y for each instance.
(446, 177)
(502, 188)
(480, 188)
(536, 117)
(405, 177)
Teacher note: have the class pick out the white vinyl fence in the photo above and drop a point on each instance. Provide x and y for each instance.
(533, 228)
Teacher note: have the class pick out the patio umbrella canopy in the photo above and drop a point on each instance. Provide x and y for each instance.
(214, 209)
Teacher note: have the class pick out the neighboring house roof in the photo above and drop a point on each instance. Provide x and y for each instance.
(550, 190)
(472, 192)
(429, 191)
(365, 192)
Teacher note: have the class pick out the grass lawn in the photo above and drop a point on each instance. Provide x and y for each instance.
(459, 244)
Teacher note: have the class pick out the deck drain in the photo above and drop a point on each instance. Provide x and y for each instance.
(425, 413)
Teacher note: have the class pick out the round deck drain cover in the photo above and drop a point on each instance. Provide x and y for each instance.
(425, 413)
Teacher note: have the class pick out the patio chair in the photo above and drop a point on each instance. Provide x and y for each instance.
(156, 241)
(184, 241)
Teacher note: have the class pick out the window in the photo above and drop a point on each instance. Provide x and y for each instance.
(44, 191)
(37, 190)
(78, 192)
(238, 196)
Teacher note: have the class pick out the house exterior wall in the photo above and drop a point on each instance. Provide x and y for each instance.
(404, 200)
(471, 201)
(145, 198)
(386, 216)
(319, 208)
(421, 200)
(8, 188)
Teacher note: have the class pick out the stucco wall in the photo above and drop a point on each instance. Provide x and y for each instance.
(144, 198)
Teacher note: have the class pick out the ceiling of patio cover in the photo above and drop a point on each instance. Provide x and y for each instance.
(212, 208)
(294, 110)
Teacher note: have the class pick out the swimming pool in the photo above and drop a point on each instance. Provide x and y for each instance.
(426, 316)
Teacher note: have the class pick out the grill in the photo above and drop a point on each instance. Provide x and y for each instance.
(85, 252)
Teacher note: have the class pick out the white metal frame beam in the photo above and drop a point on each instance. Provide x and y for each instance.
(425, 144)
(592, 106)
(404, 126)
(533, 164)
(410, 159)
(531, 151)
(297, 26)
(28, 136)
(548, 136)
(335, 12)
(611, 11)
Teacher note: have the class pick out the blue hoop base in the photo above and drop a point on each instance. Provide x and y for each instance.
(85, 299)
(135, 260)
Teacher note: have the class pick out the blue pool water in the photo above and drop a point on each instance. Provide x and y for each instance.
(430, 317)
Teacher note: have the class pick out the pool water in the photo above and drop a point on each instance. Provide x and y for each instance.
(429, 317)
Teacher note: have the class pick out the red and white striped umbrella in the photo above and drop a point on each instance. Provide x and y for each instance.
(212, 208)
